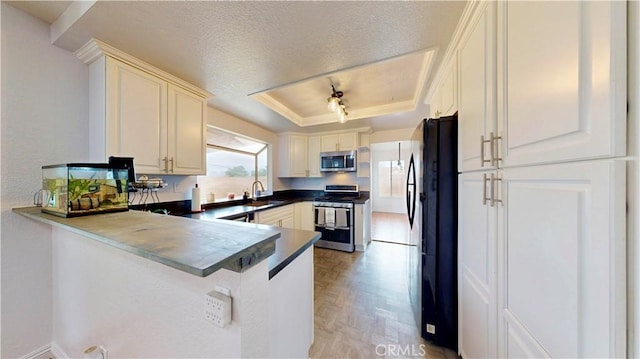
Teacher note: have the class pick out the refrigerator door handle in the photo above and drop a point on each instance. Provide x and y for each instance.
(411, 192)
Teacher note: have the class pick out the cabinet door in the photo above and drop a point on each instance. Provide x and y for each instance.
(445, 100)
(477, 272)
(293, 156)
(304, 216)
(476, 113)
(562, 80)
(187, 145)
(288, 222)
(136, 120)
(348, 141)
(313, 156)
(298, 156)
(329, 143)
(562, 267)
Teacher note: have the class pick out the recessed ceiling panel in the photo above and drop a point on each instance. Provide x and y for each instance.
(376, 89)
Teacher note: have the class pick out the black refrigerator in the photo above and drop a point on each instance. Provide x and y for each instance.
(432, 209)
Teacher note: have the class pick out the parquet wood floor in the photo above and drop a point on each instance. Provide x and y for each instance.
(362, 307)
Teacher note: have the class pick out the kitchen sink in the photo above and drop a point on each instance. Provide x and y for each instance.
(264, 203)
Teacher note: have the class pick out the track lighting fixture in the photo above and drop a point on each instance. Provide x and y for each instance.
(336, 105)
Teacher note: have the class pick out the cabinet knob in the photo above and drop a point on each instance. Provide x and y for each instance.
(438, 113)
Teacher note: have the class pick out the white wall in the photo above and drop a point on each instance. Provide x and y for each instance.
(137, 308)
(45, 111)
(401, 134)
(388, 152)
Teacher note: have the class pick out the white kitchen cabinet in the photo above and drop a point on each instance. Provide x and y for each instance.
(135, 121)
(561, 81)
(362, 225)
(541, 273)
(293, 156)
(299, 156)
(561, 250)
(187, 132)
(313, 156)
(139, 111)
(340, 142)
(444, 101)
(476, 98)
(304, 216)
(279, 217)
(477, 272)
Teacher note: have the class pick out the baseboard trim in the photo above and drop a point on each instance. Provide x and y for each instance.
(58, 352)
(39, 353)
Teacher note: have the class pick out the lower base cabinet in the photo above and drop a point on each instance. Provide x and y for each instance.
(279, 217)
(304, 216)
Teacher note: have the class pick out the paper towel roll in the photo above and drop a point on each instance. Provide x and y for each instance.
(195, 199)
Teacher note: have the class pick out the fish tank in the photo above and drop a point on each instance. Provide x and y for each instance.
(79, 189)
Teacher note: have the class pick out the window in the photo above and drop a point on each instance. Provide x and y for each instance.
(234, 162)
(391, 178)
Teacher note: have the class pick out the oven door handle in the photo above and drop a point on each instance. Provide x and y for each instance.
(333, 228)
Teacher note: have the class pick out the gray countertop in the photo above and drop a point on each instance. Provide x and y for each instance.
(196, 247)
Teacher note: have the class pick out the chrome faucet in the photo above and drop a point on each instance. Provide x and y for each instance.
(254, 188)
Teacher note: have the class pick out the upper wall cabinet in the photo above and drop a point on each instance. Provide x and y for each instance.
(299, 156)
(444, 101)
(340, 142)
(561, 81)
(476, 114)
(141, 112)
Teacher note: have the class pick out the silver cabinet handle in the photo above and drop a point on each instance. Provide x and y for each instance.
(494, 150)
(166, 164)
(484, 189)
(494, 184)
(482, 142)
(171, 160)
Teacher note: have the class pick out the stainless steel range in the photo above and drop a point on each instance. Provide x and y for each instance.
(334, 217)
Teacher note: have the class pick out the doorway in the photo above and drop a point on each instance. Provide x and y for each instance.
(388, 191)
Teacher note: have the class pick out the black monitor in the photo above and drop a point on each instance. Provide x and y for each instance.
(123, 163)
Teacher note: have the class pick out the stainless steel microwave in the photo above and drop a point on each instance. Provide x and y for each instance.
(341, 161)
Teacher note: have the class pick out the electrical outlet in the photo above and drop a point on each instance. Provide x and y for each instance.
(217, 307)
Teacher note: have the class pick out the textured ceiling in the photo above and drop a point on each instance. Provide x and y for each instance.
(234, 49)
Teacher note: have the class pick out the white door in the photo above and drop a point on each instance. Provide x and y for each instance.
(476, 114)
(136, 116)
(562, 277)
(561, 80)
(186, 135)
(477, 272)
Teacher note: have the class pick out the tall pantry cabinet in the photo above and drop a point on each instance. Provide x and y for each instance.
(542, 133)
